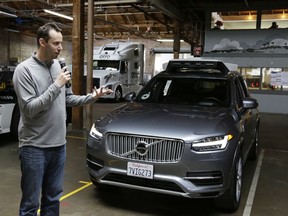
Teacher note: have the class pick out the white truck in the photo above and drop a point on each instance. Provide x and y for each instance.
(9, 110)
(120, 67)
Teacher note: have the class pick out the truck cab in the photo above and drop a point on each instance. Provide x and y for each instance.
(119, 66)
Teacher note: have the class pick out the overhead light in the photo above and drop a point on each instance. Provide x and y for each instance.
(167, 40)
(250, 16)
(7, 14)
(58, 14)
(283, 14)
(11, 30)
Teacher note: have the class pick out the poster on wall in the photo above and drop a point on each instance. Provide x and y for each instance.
(279, 78)
(284, 78)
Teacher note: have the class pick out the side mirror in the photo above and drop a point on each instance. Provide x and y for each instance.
(130, 96)
(250, 103)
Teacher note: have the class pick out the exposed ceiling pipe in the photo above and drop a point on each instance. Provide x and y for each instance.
(167, 8)
(120, 27)
(45, 3)
(103, 3)
(151, 15)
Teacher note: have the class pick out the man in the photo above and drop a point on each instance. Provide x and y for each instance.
(274, 25)
(39, 83)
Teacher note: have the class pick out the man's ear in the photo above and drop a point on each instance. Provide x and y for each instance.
(42, 42)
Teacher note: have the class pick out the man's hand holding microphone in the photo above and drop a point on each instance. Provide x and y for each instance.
(64, 78)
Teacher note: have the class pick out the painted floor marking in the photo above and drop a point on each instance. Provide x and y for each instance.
(86, 184)
(250, 199)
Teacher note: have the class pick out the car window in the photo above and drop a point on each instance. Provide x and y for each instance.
(244, 87)
(191, 91)
(240, 93)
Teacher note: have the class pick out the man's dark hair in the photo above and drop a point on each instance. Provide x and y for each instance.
(43, 31)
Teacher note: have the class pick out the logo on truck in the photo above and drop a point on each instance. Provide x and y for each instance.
(104, 56)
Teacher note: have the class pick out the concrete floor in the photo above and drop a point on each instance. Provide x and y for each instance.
(265, 185)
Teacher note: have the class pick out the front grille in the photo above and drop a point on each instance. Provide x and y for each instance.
(140, 148)
(150, 183)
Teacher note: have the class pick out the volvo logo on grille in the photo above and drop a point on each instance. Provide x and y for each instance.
(141, 148)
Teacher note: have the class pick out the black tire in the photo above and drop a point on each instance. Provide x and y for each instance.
(255, 146)
(118, 94)
(230, 200)
(15, 122)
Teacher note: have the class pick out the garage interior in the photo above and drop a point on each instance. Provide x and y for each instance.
(146, 21)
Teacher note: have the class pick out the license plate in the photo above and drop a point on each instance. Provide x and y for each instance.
(140, 170)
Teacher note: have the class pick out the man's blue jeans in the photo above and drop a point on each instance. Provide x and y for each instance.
(42, 172)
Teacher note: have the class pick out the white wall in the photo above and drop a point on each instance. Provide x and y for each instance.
(269, 103)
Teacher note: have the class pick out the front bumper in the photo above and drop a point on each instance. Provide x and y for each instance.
(194, 176)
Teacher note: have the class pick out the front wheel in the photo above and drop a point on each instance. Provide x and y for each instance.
(255, 146)
(230, 200)
(118, 94)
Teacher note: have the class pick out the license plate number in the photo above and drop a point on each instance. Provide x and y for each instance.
(140, 170)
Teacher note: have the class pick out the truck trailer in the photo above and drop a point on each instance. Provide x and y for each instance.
(9, 110)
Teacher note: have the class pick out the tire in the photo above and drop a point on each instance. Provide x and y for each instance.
(230, 200)
(118, 94)
(15, 122)
(255, 146)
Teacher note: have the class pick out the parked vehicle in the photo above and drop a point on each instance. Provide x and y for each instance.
(188, 132)
(9, 110)
(119, 66)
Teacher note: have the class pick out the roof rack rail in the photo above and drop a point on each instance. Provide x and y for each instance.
(185, 65)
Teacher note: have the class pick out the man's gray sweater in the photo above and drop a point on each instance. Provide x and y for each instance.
(42, 103)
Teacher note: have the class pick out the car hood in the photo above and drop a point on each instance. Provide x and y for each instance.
(177, 121)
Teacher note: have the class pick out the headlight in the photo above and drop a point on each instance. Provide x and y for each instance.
(211, 143)
(95, 133)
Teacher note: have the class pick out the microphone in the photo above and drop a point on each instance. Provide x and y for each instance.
(63, 64)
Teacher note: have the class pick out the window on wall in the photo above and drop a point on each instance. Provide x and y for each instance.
(233, 20)
(253, 77)
(226, 20)
(274, 79)
(271, 19)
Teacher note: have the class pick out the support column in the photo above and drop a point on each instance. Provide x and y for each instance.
(90, 48)
(78, 60)
(177, 37)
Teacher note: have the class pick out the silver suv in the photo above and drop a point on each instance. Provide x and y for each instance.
(188, 132)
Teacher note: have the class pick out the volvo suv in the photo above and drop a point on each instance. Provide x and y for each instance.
(188, 132)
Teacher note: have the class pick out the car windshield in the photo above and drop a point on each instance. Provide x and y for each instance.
(186, 91)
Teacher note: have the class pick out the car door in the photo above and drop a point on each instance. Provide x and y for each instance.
(246, 115)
